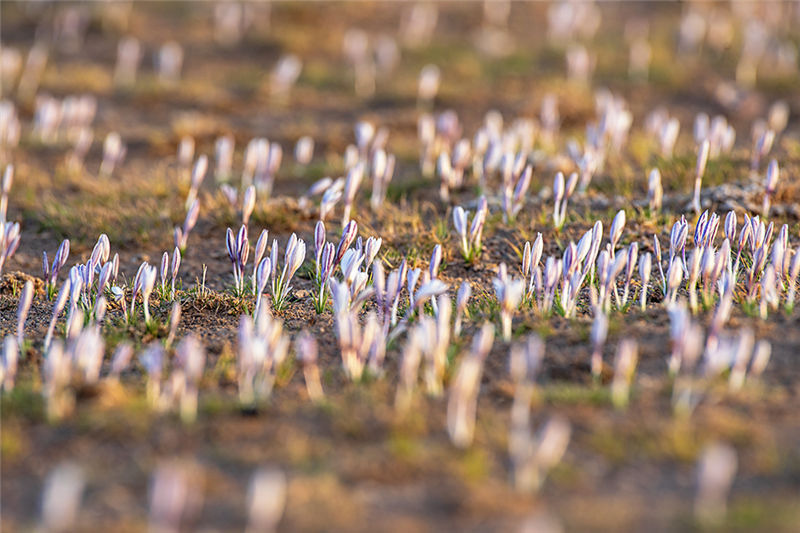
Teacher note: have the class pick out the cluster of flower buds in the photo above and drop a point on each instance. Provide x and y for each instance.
(575, 265)
(238, 248)
(58, 306)
(561, 195)
(719, 134)
(588, 159)
(143, 283)
(165, 272)
(431, 338)
(429, 287)
(294, 256)
(262, 160)
(387, 292)
(462, 403)
(524, 363)
(88, 282)
(470, 237)
(734, 354)
(76, 363)
(176, 496)
(331, 192)
(262, 268)
(263, 347)
(369, 59)
(532, 457)
(608, 268)
(64, 120)
(538, 455)
(515, 186)
(531, 257)
(352, 290)
(381, 171)
(360, 346)
(50, 271)
(664, 129)
(686, 338)
(451, 168)
(437, 135)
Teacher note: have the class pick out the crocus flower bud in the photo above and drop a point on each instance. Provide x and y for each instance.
(185, 151)
(176, 264)
(263, 273)
(304, 150)
(558, 188)
(436, 260)
(624, 368)
(617, 226)
(104, 277)
(242, 247)
(199, 171)
(715, 473)
(164, 268)
(230, 244)
(348, 236)
(62, 497)
(702, 158)
(319, 238)
(674, 277)
(460, 221)
(644, 273)
(266, 499)
(730, 225)
(655, 191)
(248, 204)
(24, 305)
(61, 255)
